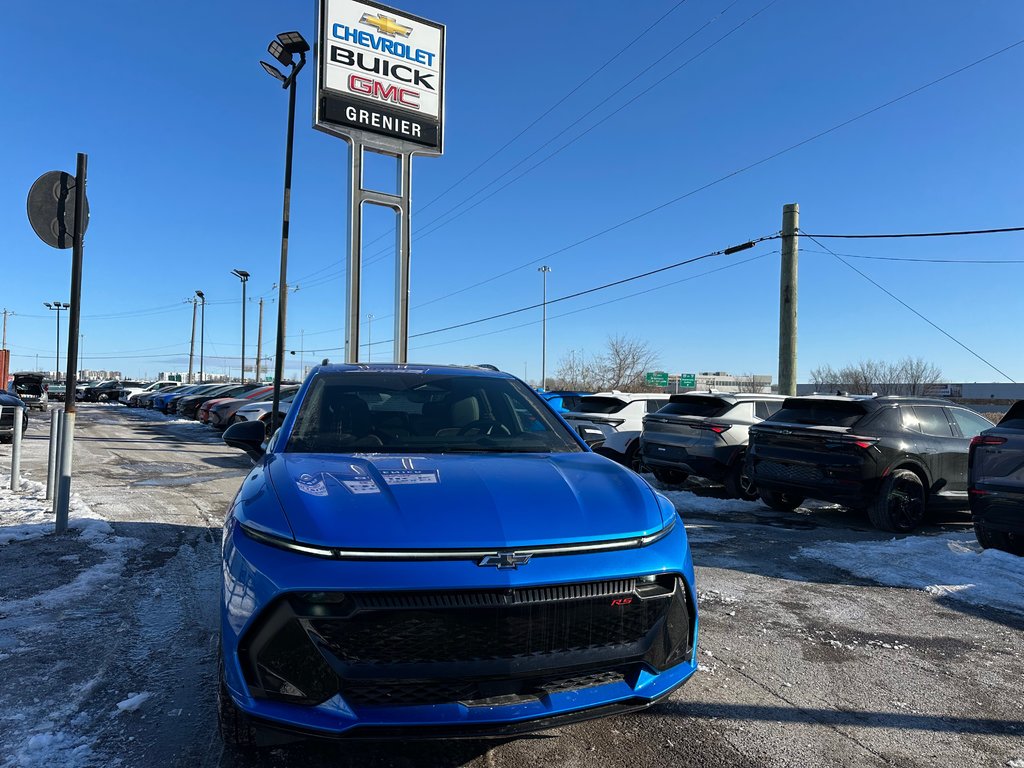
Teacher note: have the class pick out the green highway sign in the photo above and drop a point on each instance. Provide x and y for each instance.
(687, 380)
(657, 378)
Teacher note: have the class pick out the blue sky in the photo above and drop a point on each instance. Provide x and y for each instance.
(185, 139)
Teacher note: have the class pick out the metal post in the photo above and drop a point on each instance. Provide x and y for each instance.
(67, 439)
(282, 280)
(369, 337)
(259, 343)
(544, 328)
(355, 254)
(51, 461)
(202, 334)
(19, 414)
(402, 258)
(192, 343)
(788, 300)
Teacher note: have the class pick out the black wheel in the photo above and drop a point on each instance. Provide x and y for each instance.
(738, 485)
(634, 459)
(1007, 542)
(669, 476)
(900, 506)
(781, 502)
(235, 728)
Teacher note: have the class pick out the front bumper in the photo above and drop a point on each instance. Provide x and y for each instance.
(433, 691)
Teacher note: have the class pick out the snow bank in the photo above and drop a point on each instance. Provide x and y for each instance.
(51, 748)
(26, 515)
(951, 566)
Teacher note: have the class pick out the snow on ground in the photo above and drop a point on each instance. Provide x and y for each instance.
(40, 732)
(687, 502)
(951, 566)
(134, 701)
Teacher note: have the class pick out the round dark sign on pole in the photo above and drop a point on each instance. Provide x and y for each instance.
(51, 209)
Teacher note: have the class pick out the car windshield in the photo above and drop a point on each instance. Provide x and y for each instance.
(596, 404)
(402, 412)
(825, 413)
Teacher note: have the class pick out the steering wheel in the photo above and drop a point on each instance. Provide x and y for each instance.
(484, 427)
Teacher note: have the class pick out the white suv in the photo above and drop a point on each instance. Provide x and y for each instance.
(619, 418)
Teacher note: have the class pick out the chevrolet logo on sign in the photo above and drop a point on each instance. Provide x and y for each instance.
(504, 560)
(386, 25)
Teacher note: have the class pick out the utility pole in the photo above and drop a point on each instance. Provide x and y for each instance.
(192, 343)
(544, 328)
(259, 343)
(6, 313)
(202, 333)
(788, 299)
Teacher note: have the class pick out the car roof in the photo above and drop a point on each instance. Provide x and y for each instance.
(879, 400)
(631, 396)
(732, 397)
(452, 370)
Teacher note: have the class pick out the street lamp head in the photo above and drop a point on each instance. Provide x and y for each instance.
(273, 71)
(545, 268)
(66, 305)
(293, 42)
(201, 295)
(48, 305)
(241, 274)
(277, 50)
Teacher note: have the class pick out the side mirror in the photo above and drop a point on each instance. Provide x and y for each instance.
(247, 436)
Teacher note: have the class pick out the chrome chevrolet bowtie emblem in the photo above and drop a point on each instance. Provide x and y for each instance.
(504, 560)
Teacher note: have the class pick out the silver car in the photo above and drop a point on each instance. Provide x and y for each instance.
(705, 434)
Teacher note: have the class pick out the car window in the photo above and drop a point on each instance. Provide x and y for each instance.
(971, 424)
(694, 405)
(930, 420)
(595, 404)
(385, 412)
(654, 405)
(827, 413)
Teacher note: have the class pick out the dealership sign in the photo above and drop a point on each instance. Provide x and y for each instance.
(380, 71)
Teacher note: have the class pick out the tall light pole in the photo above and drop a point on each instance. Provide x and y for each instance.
(192, 342)
(202, 333)
(284, 49)
(57, 306)
(242, 275)
(544, 327)
(369, 337)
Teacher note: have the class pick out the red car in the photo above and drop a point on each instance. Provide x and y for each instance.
(204, 410)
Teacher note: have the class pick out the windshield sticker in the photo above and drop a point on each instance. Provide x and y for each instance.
(409, 476)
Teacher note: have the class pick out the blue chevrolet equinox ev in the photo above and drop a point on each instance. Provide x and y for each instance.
(430, 551)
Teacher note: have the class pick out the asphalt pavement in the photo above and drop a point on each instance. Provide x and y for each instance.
(802, 664)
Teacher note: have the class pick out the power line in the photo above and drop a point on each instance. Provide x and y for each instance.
(896, 298)
(909, 259)
(739, 171)
(924, 234)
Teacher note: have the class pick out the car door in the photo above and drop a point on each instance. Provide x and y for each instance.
(969, 424)
(936, 443)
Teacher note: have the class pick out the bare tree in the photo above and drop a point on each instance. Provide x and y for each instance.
(909, 376)
(625, 362)
(621, 366)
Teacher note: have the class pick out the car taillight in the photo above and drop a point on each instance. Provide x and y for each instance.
(848, 440)
(987, 440)
(716, 428)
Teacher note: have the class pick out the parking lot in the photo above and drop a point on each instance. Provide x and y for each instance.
(823, 641)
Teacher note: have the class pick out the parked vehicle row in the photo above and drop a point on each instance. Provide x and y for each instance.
(218, 405)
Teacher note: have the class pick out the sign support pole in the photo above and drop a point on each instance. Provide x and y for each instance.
(401, 204)
(68, 437)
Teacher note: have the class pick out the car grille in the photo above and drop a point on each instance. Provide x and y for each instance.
(797, 473)
(497, 646)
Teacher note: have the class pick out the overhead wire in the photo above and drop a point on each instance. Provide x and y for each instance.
(900, 301)
(916, 260)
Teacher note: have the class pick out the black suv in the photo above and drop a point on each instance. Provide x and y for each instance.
(891, 456)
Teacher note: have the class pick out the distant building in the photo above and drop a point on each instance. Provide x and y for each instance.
(719, 380)
(971, 392)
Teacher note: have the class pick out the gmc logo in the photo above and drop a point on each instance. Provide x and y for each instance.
(378, 90)
(622, 601)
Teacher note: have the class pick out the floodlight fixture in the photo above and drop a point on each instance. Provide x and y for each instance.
(293, 42)
(277, 50)
(273, 71)
(241, 274)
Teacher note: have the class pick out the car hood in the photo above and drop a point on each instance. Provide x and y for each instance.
(463, 501)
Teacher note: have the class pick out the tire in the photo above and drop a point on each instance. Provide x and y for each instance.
(236, 729)
(901, 503)
(738, 485)
(634, 459)
(669, 476)
(1007, 542)
(781, 502)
